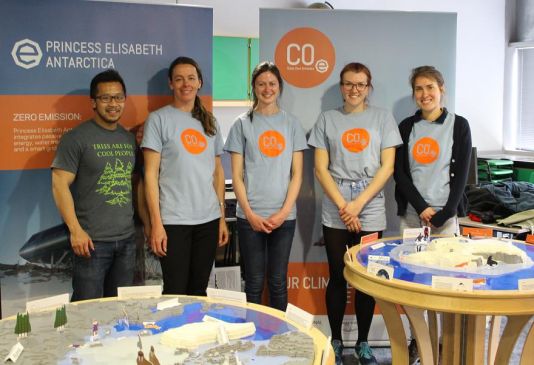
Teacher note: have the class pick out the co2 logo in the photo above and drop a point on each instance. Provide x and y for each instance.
(271, 143)
(355, 140)
(305, 57)
(26, 53)
(425, 150)
(193, 141)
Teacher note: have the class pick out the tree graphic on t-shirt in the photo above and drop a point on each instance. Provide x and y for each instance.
(116, 183)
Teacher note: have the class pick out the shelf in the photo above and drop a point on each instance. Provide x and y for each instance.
(231, 103)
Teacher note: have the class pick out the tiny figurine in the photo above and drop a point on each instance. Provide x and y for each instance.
(141, 359)
(491, 261)
(95, 328)
(426, 233)
(152, 356)
(419, 243)
(125, 322)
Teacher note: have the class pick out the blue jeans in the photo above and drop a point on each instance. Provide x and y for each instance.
(110, 266)
(266, 253)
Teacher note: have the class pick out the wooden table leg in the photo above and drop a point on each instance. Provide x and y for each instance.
(493, 339)
(452, 333)
(434, 334)
(527, 356)
(422, 334)
(511, 333)
(475, 334)
(395, 328)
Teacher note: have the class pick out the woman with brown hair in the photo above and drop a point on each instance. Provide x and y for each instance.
(184, 179)
(354, 157)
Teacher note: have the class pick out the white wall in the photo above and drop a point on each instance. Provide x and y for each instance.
(480, 58)
(480, 49)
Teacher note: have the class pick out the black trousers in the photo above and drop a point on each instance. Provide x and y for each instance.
(336, 291)
(190, 254)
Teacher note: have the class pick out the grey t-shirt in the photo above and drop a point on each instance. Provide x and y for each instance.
(103, 162)
(186, 192)
(430, 151)
(267, 144)
(354, 142)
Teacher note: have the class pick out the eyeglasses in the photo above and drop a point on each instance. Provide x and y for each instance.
(119, 98)
(360, 86)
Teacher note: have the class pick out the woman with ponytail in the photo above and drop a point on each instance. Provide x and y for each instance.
(266, 144)
(182, 145)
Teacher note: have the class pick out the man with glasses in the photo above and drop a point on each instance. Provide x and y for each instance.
(92, 186)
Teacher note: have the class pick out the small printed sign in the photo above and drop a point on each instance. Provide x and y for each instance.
(377, 246)
(449, 283)
(208, 318)
(132, 292)
(47, 303)
(525, 284)
(370, 238)
(166, 304)
(380, 270)
(409, 235)
(221, 294)
(379, 258)
(477, 232)
(299, 316)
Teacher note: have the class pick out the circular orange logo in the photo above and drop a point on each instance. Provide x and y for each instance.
(271, 143)
(194, 142)
(425, 150)
(355, 140)
(305, 57)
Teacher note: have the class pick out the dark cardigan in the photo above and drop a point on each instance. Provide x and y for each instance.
(405, 190)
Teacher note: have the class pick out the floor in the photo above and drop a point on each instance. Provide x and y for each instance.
(383, 354)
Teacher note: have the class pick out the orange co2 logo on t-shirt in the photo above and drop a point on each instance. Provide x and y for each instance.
(272, 143)
(194, 142)
(305, 57)
(425, 150)
(355, 140)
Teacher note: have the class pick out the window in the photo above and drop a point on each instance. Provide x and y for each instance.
(522, 97)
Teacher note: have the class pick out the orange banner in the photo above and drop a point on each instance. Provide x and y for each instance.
(307, 283)
(31, 125)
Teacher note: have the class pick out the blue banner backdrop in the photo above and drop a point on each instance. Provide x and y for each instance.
(49, 51)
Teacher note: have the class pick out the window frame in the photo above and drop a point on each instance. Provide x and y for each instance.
(512, 99)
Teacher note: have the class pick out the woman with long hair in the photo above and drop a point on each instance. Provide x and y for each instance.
(432, 165)
(354, 158)
(266, 144)
(184, 183)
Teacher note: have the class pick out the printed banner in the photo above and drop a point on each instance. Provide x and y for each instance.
(310, 48)
(49, 52)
